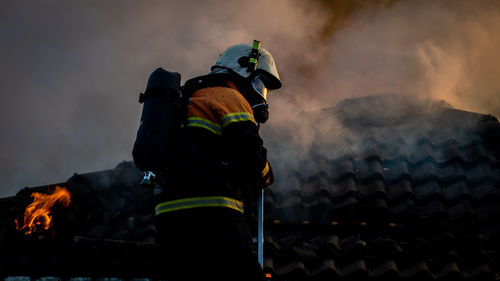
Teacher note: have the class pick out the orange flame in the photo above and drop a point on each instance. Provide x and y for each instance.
(37, 214)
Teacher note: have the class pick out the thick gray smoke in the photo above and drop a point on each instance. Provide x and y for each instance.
(439, 49)
(71, 71)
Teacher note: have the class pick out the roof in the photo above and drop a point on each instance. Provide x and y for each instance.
(385, 187)
(379, 188)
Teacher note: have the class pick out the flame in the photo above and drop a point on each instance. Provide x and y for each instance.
(37, 214)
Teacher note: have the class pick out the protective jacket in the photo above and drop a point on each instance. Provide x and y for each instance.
(200, 212)
(225, 162)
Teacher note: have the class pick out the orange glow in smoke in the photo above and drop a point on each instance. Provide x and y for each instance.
(38, 213)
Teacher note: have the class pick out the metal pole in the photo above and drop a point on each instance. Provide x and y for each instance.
(260, 234)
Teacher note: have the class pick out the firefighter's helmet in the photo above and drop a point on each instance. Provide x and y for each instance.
(237, 58)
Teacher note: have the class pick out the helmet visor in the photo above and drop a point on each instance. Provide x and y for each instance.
(259, 87)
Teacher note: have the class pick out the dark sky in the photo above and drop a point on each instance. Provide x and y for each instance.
(71, 71)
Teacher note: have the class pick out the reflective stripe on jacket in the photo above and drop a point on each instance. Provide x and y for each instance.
(198, 202)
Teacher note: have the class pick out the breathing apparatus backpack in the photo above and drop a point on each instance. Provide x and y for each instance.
(160, 145)
(156, 148)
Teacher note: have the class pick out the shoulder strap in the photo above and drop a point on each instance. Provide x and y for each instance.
(171, 95)
(210, 80)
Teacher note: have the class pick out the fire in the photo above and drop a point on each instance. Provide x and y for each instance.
(38, 213)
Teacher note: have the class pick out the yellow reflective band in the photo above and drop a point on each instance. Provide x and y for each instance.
(265, 170)
(252, 60)
(236, 117)
(199, 202)
(205, 124)
(256, 44)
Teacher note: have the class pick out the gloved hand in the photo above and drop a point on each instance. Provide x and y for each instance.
(267, 175)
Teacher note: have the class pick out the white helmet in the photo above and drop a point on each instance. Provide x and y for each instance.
(237, 59)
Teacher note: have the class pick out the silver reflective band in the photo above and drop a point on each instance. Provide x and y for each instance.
(259, 87)
(236, 117)
(198, 202)
(204, 123)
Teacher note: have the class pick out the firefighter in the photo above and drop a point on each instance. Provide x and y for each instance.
(201, 211)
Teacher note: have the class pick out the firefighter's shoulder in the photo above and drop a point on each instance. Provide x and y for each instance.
(230, 105)
(223, 95)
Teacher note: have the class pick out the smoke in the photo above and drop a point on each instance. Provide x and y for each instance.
(71, 71)
(423, 50)
(443, 50)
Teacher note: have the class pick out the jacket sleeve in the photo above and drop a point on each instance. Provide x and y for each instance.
(247, 154)
(241, 136)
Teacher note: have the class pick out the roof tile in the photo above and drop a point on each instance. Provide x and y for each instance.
(400, 189)
(475, 152)
(427, 191)
(479, 173)
(450, 271)
(345, 188)
(356, 270)
(342, 169)
(395, 171)
(451, 172)
(417, 271)
(455, 191)
(424, 172)
(368, 170)
(394, 150)
(460, 209)
(374, 188)
(422, 152)
(326, 270)
(484, 191)
(387, 270)
(447, 152)
(293, 270)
